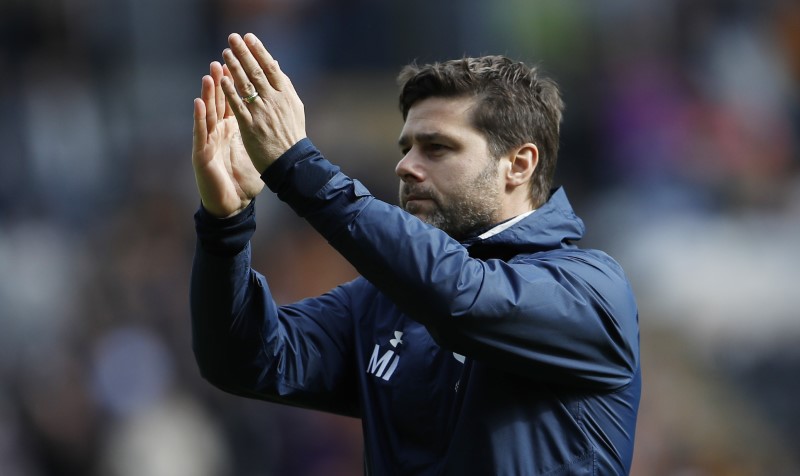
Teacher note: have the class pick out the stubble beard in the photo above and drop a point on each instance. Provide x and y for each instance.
(471, 207)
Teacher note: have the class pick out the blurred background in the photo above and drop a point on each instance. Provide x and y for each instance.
(680, 149)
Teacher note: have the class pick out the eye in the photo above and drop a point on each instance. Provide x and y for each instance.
(436, 148)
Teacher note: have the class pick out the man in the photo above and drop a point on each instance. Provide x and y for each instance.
(488, 343)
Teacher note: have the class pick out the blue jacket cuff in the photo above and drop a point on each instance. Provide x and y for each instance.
(298, 176)
(225, 236)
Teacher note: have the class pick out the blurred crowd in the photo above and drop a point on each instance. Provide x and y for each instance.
(680, 148)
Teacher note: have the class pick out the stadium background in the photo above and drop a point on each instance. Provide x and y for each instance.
(680, 149)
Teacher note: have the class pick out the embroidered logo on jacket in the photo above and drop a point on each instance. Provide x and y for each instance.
(383, 366)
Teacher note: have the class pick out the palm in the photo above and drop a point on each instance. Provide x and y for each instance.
(226, 178)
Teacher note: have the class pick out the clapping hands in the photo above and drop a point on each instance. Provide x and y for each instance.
(237, 137)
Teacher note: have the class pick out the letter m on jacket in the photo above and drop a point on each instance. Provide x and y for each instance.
(377, 365)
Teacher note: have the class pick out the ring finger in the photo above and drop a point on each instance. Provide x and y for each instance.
(243, 84)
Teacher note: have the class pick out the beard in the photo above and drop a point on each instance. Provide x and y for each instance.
(471, 206)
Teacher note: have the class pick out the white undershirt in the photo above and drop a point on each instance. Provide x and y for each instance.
(504, 226)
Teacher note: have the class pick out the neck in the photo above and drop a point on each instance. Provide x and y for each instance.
(515, 205)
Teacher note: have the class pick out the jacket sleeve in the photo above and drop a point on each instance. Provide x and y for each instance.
(246, 344)
(566, 317)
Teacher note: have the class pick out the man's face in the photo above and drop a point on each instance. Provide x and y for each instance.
(448, 178)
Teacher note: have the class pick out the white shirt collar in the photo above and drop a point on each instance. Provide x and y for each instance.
(503, 226)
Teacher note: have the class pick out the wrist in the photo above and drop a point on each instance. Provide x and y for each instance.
(266, 160)
(222, 213)
(225, 236)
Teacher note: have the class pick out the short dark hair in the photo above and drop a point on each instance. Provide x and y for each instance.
(515, 105)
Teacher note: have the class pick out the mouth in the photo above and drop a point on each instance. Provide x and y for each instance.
(419, 205)
(416, 198)
(413, 201)
(412, 198)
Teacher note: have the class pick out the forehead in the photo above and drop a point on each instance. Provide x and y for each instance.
(438, 115)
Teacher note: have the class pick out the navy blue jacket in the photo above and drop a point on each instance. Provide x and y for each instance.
(516, 354)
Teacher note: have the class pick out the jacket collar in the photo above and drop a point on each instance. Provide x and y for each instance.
(554, 225)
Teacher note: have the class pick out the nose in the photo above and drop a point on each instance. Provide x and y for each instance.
(409, 169)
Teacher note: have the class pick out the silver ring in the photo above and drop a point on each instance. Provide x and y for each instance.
(249, 99)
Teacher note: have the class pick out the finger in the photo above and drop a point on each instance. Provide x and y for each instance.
(219, 96)
(253, 70)
(234, 101)
(199, 133)
(277, 79)
(207, 94)
(227, 73)
(240, 79)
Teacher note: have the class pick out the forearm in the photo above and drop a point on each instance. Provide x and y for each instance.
(225, 330)
(246, 344)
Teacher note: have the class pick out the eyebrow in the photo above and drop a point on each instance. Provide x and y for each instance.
(424, 137)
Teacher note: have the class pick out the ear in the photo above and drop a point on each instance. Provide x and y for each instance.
(522, 162)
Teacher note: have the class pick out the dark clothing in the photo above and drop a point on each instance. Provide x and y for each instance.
(516, 353)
